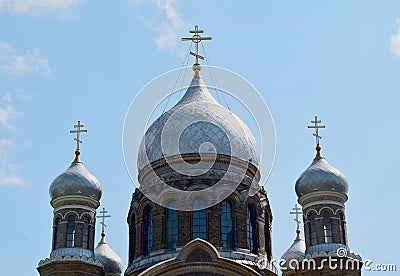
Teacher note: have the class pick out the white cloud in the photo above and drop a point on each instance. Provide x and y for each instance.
(8, 172)
(14, 62)
(165, 21)
(60, 8)
(7, 111)
(9, 176)
(395, 41)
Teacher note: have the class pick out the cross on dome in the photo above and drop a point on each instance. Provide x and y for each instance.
(296, 211)
(78, 131)
(196, 39)
(316, 126)
(103, 217)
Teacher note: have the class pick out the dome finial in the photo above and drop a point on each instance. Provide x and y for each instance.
(78, 130)
(297, 211)
(103, 217)
(316, 126)
(196, 39)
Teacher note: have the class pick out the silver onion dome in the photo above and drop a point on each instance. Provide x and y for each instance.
(111, 262)
(197, 124)
(76, 180)
(321, 176)
(294, 254)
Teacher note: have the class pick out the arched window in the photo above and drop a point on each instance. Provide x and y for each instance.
(56, 229)
(251, 230)
(85, 233)
(227, 224)
(172, 226)
(71, 231)
(327, 228)
(313, 230)
(148, 231)
(199, 220)
(132, 238)
(342, 229)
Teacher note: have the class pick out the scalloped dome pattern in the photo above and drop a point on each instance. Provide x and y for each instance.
(201, 120)
(76, 180)
(321, 176)
(111, 262)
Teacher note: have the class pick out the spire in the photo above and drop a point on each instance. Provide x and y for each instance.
(78, 130)
(297, 211)
(316, 126)
(196, 39)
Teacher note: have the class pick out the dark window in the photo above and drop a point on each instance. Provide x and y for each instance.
(342, 229)
(55, 233)
(199, 220)
(327, 228)
(85, 233)
(251, 230)
(226, 225)
(71, 231)
(132, 238)
(313, 230)
(172, 225)
(148, 231)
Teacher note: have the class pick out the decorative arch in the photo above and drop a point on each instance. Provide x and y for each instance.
(307, 214)
(198, 256)
(70, 213)
(326, 209)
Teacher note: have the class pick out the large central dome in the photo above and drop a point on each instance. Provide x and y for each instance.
(197, 124)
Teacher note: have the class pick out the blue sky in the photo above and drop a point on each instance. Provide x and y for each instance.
(68, 60)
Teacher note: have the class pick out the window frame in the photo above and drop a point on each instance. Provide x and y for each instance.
(227, 230)
(199, 219)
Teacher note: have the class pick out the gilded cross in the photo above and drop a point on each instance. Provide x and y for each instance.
(78, 131)
(103, 216)
(316, 126)
(196, 39)
(297, 212)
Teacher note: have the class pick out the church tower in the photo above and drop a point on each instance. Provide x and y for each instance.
(75, 196)
(322, 192)
(199, 209)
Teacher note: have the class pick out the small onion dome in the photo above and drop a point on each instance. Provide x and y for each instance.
(321, 176)
(111, 262)
(294, 254)
(76, 180)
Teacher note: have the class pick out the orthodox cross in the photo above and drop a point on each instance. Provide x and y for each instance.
(316, 127)
(196, 38)
(78, 130)
(297, 212)
(103, 216)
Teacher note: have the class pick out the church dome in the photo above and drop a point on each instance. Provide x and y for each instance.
(202, 126)
(76, 180)
(294, 254)
(111, 262)
(321, 176)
